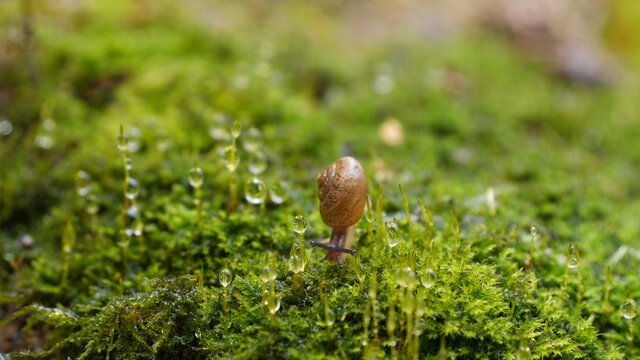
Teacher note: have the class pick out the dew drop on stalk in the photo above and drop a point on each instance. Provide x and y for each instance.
(123, 140)
(629, 309)
(392, 233)
(219, 128)
(132, 189)
(300, 224)
(92, 205)
(273, 273)
(252, 140)
(196, 177)
(573, 258)
(225, 277)
(133, 212)
(128, 164)
(524, 353)
(255, 191)
(329, 316)
(236, 129)
(405, 277)
(369, 213)
(44, 142)
(265, 274)
(278, 192)
(231, 158)
(273, 305)
(257, 163)
(428, 278)
(5, 127)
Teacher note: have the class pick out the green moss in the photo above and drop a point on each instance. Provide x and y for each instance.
(556, 155)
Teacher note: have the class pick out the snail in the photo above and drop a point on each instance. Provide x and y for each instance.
(342, 190)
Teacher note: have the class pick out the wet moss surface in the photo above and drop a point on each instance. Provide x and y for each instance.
(516, 239)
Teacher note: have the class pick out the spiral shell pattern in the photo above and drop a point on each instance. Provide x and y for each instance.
(342, 190)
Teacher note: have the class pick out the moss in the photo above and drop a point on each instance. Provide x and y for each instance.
(556, 155)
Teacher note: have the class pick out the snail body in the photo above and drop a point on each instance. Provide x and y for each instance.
(342, 190)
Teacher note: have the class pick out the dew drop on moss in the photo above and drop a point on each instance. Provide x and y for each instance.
(629, 309)
(122, 142)
(252, 140)
(132, 189)
(428, 278)
(573, 258)
(392, 233)
(300, 224)
(255, 191)
(524, 353)
(196, 177)
(225, 277)
(265, 274)
(329, 316)
(279, 192)
(231, 158)
(257, 163)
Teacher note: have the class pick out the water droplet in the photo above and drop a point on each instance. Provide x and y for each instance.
(524, 353)
(428, 278)
(255, 191)
(294, 260)
(236, 129)
(133, 146)
(534, 232)
(382, 84)
(265, 274)
(369, 213)
(573, 258)
(128, 164)
(49, 125)
(629, 309)
(133, 212)
(132, 189)
(5, 127)
(257, 163)
(219, 128)
(329, 315)
(252, 140)
(92, 205)
(273, 273)
(44, 142)
(273, 305)
(225, 277)
(196, 177)
(128, 232)
(123, 140)
(278, 192)
(392, 233)
(300, 224)
(84, 191)
(405, 277)
(231, 157)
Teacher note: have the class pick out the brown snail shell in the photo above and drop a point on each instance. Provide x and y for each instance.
(342, 190)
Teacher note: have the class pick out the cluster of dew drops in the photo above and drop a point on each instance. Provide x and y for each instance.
(255, 190)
